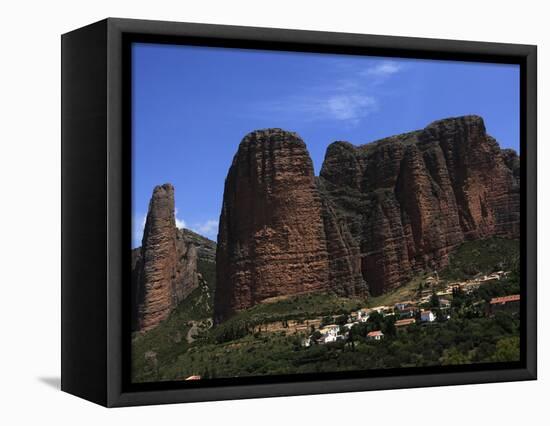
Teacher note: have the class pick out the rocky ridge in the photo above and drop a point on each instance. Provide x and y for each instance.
(409, 200)
(378, 213)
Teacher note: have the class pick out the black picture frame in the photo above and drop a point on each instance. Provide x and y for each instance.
(96, 178)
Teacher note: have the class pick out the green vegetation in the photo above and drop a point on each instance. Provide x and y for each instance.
(459, 341)
(185, 344)
(208, 272)
(405, 292)
(482, 257)
(161, 347)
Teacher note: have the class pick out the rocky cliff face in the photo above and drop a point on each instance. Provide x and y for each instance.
(165, 266)
(378, 213)
(206, 249)
(272, 239)
(410, 199)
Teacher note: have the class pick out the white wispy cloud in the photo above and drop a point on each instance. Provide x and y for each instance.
(351, 107)
(180, 223)
(382, 69)
(208, 228)
(348, 99)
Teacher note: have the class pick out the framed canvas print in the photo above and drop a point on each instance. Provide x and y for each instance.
(252, 212)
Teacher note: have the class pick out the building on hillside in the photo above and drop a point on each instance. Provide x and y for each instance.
(330, 334)
(491, 277)
(444, 303)
(363, 315)
(403, 305)
(329, 338)
(504, 304)
(404, 322)
(427, 316)
(375, 335)
(194, 377)
(383, 310)
(408, 312)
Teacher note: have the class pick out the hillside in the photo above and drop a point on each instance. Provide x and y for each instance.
(268, 338)
(156, 350)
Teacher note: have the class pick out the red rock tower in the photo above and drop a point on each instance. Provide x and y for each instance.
(271, 240)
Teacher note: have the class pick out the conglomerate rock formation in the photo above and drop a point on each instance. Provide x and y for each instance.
(164, 268)
(378, 213)
(271, 239)
(409, 200)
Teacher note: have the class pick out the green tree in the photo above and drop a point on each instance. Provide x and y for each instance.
(316, 336)
(434, 300)
(375, 320)
(342, 319)
(507, 350)
(389, 327)
(440, 316)
(453, 356)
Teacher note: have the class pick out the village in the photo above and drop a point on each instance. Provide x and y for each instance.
(432, 303)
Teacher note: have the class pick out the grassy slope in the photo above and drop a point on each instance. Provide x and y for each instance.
(470, 259)
(482, 257)
(299, 307)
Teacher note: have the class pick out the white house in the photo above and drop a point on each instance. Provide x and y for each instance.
(330, 330)
(363, 315)
(331, 333)
(329, 338)
(427, 316)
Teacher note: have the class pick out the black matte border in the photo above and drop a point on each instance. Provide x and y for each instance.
(125, 32)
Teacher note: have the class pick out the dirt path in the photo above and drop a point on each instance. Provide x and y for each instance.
(192, 331)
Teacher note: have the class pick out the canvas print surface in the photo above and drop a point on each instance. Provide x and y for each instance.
(300, 213)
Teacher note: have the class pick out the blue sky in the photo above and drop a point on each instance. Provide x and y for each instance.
(193, 105)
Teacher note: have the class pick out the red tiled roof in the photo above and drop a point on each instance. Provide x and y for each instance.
(407, 321)
(505, 299)
(375, 333)
(193, 377)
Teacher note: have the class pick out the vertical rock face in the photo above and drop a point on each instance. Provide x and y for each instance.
(206, 249)
(164, 268)
(272, 240)
(345, 277)
(378, 214)
(410, 199)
